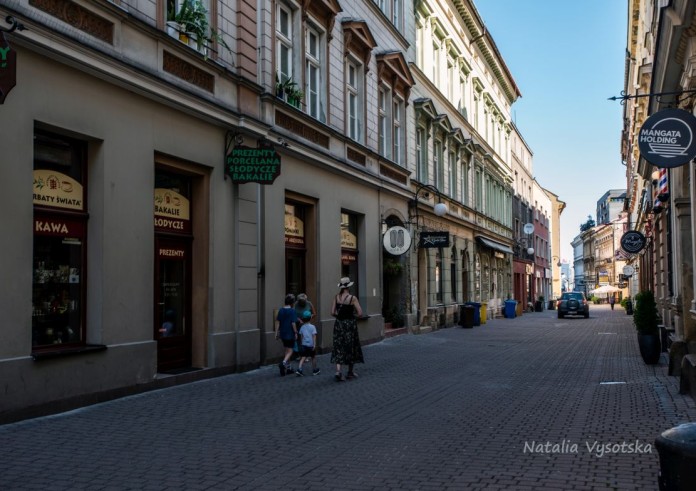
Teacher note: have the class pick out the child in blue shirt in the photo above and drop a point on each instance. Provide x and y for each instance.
(286, 331)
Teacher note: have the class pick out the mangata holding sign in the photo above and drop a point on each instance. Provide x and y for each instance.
(246, 164)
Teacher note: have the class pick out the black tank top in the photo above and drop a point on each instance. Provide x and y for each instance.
(345, 311)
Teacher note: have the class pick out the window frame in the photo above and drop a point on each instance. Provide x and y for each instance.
(354, 98)
(314, 67)
(285, 40)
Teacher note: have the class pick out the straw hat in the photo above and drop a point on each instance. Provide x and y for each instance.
(345, 282)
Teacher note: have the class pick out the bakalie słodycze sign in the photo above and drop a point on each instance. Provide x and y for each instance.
(246, 164)
(668, 138)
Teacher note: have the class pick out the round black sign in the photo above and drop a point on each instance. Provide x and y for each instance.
(668, 138)
(633, 242)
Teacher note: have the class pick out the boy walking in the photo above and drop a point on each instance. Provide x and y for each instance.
(308, 347)
(286, 331)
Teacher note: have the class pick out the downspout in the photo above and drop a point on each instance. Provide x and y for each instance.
(261, 269)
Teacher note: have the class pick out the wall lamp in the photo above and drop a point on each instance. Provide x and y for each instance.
(424, 190)
(524, 241)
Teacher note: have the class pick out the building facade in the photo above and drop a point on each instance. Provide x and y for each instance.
(610, 205)
(661, 52)
(188, 172)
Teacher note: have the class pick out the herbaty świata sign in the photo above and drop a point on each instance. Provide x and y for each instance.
(246, 164)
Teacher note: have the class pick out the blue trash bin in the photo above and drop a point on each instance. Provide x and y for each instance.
(477, 312)
(510, 309)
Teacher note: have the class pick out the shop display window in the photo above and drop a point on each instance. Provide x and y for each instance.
(60, 224)
(349, 248)
(57, 291)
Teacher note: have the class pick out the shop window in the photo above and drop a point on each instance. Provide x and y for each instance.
(349, 248)
(295, 247)
(60, 233)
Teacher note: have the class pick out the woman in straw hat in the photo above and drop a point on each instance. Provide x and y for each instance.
(346, 342)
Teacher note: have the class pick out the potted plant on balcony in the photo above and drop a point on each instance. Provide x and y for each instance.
(645, 320)
(195, 27)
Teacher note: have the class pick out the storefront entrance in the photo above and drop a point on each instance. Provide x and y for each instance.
(172, 303)
(173, 241)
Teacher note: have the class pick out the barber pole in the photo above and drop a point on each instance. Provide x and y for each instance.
(662, 187)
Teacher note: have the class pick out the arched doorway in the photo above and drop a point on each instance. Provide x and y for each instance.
(395, 283)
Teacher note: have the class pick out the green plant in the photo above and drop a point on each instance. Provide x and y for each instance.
(541, 298)
(645, 313)
(624, 301)
(394, 316)
(392, 267)
(193, 17)
(287, 89)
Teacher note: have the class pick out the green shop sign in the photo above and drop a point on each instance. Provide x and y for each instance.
(246, 164)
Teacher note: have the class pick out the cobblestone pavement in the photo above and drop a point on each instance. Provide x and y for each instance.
(528, 403)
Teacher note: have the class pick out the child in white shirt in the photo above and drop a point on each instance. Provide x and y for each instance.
(308, 344)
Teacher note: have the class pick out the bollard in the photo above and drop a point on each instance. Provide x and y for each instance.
(677, 449)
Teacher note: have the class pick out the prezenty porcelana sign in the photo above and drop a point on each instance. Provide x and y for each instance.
(668, 138)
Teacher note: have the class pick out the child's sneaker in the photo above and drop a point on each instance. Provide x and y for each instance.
(299, 373)
(316, 371)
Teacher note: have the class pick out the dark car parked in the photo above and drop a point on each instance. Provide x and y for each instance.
(573, 303)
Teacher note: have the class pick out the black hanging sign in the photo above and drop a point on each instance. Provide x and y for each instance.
(668, 138)
(430, 240)
(247, 164)
(8, 68)
(633, 242)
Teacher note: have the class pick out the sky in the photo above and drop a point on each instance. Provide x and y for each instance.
(567, 59)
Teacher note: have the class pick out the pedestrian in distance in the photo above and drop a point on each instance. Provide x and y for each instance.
(302, 304)
(286, 331)
(308, 343)
(611, 301)
(346, 341)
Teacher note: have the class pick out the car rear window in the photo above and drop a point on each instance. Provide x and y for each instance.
(568, 296)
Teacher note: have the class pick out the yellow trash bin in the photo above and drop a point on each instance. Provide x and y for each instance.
(484, 305)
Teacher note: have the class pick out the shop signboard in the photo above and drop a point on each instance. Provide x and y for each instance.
(668, 138)
(396, 241)
(8, 68)
(172, 211)
(246, 164)
(57, 190)
(633, 242)
(429, 240)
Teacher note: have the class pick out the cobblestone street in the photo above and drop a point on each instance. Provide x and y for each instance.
(527, 403)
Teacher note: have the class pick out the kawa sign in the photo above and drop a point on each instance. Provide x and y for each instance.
(668, 138)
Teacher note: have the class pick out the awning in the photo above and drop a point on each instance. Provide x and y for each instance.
(492, 244)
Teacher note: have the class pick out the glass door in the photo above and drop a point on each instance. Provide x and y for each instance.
(294, 271)
(172, 303)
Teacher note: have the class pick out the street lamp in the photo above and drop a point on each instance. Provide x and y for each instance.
(424, 190)
(525, 241)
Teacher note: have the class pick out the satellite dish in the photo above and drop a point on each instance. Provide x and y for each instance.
(528, 228)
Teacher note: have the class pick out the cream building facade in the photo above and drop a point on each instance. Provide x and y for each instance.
(184, 180)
